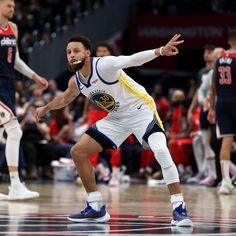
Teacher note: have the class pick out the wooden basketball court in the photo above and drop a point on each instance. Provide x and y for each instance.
(134, 210)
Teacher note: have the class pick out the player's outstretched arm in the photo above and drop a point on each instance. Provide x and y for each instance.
(24, 69)
(113, 64)
(60, 101)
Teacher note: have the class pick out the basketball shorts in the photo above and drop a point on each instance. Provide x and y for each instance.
(111, 131)
(8, 100)
(226, 116)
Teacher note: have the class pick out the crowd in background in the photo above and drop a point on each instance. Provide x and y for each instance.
(186, 7)
(50, 139)
(40, 21)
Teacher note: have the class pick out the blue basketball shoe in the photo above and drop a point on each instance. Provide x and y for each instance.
(180, 217)
(90, 215)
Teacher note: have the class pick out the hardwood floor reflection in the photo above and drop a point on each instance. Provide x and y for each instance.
(134, 209)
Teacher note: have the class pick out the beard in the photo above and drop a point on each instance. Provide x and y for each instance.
(76, 67)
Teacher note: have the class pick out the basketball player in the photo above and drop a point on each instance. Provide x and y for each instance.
(203, 153)
(203, 90)
(132, 110)
(94, 113)
(224, 87)
(10, 60)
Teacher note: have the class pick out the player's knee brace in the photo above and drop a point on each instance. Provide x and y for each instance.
(157, 143)
(13, 130)
(14, 134)
(170, 174)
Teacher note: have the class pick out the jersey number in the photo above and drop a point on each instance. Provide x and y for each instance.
(225, 75)
(9, 55)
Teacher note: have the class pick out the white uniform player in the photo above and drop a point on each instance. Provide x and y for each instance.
(132, 110)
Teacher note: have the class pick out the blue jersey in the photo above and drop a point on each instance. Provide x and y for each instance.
(7, 61)
(225, 75)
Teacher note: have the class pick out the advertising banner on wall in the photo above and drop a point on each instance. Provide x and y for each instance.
(151, 31)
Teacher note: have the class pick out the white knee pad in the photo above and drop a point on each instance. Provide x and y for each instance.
(13, 130)
(170, 174)
(157, 143)
(14, 134)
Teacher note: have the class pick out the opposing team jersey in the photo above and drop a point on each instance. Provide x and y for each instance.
(110, 88)
(7, 52)
(7, 72)
(225, 75)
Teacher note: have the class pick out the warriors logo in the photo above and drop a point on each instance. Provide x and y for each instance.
(104, 101)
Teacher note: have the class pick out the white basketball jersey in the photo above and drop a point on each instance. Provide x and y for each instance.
(115, 95)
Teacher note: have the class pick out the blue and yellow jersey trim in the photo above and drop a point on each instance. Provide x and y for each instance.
(148, 100)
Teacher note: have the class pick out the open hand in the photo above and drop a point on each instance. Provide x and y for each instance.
(170, 48)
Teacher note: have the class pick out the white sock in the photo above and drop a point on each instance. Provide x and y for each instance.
(95, 200)
(225, 169)
(211, 167)
(14, 178)
(116, 171)
(176, 200)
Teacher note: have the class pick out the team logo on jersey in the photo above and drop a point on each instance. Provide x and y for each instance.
(105, 101)
(6, 41)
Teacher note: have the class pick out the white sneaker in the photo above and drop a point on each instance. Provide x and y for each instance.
(226, 187)
(19, 192)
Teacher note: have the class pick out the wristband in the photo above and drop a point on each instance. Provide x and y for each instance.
(161, 51)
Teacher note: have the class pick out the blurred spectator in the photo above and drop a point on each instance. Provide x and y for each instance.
(180, 143)
(37, 20)
(161, 102)
(61, 131)
(22, 91)
(38, 151)
(52, 90)
(37, 96)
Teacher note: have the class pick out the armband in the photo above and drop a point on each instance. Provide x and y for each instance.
(21, 67)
